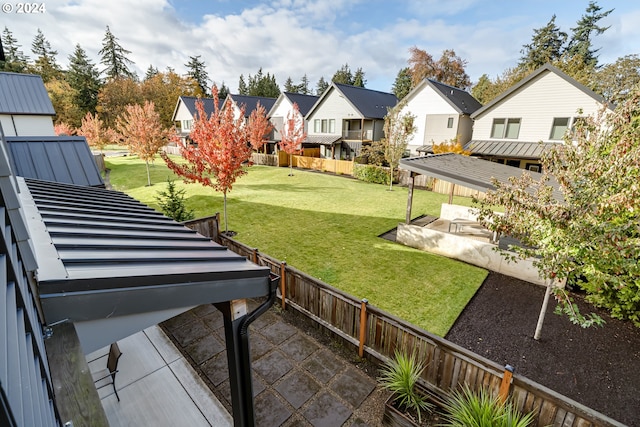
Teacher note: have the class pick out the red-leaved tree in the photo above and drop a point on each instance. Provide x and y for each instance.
(259, 128)
(142, 131)
(63, 128)
(292, 134)
(222, 149)
(96, 133)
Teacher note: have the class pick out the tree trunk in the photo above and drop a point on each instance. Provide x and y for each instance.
(226, 222)
(290, 164)
(148, 175)
(543, 310)
(390, 178)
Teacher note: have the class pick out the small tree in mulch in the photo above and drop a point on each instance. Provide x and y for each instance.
(292, 135)
(221, 152)
(172, 202)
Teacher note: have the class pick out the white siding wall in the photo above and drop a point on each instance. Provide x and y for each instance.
(27, 125)
(536, 104)
(436, 130)
(428, 102)
(183, 113)
(333, 106)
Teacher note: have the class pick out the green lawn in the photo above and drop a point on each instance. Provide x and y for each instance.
(327, 226)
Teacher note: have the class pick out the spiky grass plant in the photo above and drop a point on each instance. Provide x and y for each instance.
(400, 376)
(468, 408)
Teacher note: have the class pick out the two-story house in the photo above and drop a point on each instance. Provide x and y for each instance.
(284, 106)
(345, 117)
(443, 113)
(527, 119)
(25, 107)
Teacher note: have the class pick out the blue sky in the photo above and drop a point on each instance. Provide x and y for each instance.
(297, 37)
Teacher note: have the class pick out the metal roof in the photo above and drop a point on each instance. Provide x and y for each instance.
(461, 100)
(371, 104)
(24, 94)
(251, 102)
(305, 102)
(190, 103)
(428, 148)
(467, 171)
(101, 253)
(65, 159)
(547, 68)
(508, 149)
(322, 139)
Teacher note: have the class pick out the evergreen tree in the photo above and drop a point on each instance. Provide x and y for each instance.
(402, 85)
(223, 91)
(358, 78)
(586, 28)
(289, 86)
(321, 86)
(45, 63)
(84, 78)
(304, 86)
(151, 72)
(197, 71)
(173, 204)
(343, 75)
(242, 86)
(15, 61)
(547, 45)
(263, 85)
(114, 58)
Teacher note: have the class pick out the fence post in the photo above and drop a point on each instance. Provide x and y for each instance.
(216, 231)
(363, 326)
(283, 282)
(254, 255)
(506, 383)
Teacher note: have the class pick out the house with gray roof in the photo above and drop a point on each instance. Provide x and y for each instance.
(346, 117)
(443, 113)
(530, 117)
(25, 107)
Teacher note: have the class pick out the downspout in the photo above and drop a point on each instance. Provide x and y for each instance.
(243, 334)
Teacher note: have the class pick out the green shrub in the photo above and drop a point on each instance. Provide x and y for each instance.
(400, 376)
(371, 173)
(467, 408)
(172, 203)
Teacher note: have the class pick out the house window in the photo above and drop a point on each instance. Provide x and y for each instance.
(505, 128)
(186, 124)
(559, 128)
(450, 123)
(324, 126)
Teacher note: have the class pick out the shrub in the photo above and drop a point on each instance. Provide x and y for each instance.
(400, 376)
(371, 173)
(172, 203)
(467, 408)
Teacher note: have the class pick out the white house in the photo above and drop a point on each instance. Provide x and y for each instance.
(443, 113)
(284, 106)
(517, 126)
(345, 117)
(25, 107)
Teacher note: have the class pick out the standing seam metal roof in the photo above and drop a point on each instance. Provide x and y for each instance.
(372, 104)
(251, 102)
(65, 159)
(305, 102)
(508, 149)
(462, 100)
(24, 94)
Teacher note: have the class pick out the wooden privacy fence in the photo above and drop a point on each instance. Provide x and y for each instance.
(376, 335)
(343, 167)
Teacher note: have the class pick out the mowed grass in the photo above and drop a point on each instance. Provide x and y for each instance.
(327, 226)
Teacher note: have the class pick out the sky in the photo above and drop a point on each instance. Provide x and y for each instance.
(291, 38)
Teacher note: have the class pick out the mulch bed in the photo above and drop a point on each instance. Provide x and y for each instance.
(598, 366)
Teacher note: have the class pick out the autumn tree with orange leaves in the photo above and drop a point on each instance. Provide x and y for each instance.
(259, 128)
(96, 133)
(221, 151)
(449, 69)
(142, 131)
(63, 128)
(292, 134)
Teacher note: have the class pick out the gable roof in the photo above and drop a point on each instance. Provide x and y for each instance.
(461, 100)
(24, 94)
(547, 68)
(305, 102)
(371, 104)
(251, 102)
(65, 159)
(190, 103)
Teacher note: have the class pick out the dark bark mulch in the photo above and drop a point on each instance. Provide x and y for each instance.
(598, 366)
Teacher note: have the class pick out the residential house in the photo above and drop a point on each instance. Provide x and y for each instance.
(25, 107)
(281, 110)
(249, 103)
(185, 112)
(527, 119)
(345, 117)
(443, 113)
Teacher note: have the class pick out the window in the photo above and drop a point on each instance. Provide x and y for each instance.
(324, 125)
(505, 128)
(450, 123)
(559, 128)
(186, 124)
